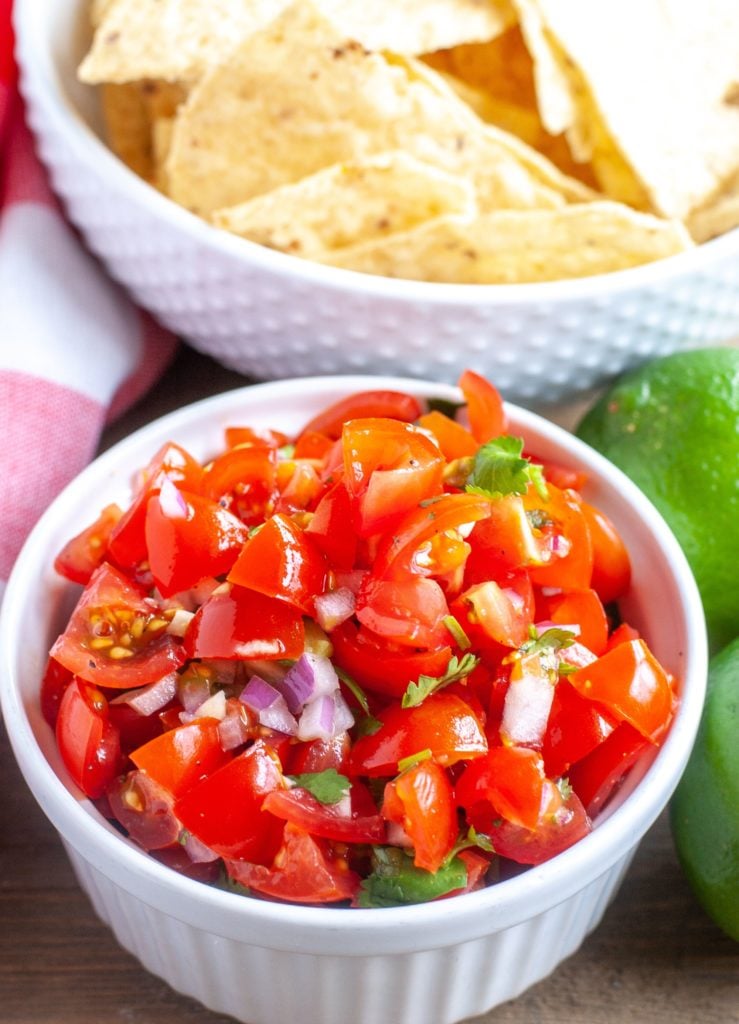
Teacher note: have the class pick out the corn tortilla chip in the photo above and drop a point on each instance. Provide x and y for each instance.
(128, 126)
(719, 215)
(297, 97)
(180, 40)
(348, 204)
(518, 246)
(658, 74)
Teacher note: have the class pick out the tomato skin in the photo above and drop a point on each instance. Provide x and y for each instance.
(224, 810)
(302, 809)
(503, 542)
(53, 685)
(582, 608)
(595, 777)
(510, 779)
(562, 824)
(281, 561)
(631, 684)
(396, 553)
(182, 552)
(179, 758)
(443, 724)
(575, 727)
(305, 870)
(611, 564)
(89, 745)
(409, 612)
(484, 407)
(574, 570)
(382, 669)
(245, 624)
(502, 613)
(237, 436)
(389, 468)
(110, 593)
(622, 634)
(422, 800)
(455, 441)
(127, 542)
(395, 405)
(332, 530)
(84, 553)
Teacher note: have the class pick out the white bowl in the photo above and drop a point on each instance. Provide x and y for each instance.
(270, 315)
(268, 963)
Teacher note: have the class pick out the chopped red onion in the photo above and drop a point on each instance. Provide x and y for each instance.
(179, 622)
(397, 835)
(193, 691)
(172, 501)
(324, 717)
(528, 702)
(352, 579)
(560, 545)
(151, 698)
(344, 806)
(578, 655)
(198, 852)
(270, 706)
(233, 731)
(334, 607)
(311, 676)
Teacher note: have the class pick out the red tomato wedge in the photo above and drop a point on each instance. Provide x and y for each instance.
(443, 724)
(180, 757)
(611, 565)
(83, 554)
(88, 743)
(511, 779)
(421, 800)
(395, 405)
(484, 407)
(245, 480)
(565, 528)
(242, 623)
(408, 612)
(280, 560)
(116, 636)
(455, 441)
(301, 808)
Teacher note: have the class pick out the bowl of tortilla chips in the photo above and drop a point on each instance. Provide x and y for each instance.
(546, 192)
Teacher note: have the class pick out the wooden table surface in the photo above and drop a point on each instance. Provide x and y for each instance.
(655, 959)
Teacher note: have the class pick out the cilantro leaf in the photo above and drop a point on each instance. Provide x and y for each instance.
(327, 786)
(413, 759)
(548, 642)
(461, 638)
(499, 469)
(472, 839)
(354, 688)
(457, 669)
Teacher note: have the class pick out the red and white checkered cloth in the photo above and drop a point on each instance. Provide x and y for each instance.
(74, 351)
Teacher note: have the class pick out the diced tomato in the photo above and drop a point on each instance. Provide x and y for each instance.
(421, 800)
(611, 565)
(582, 608)
(332, 529)
(244, 479)
(484, 407)
(575, 727)
(565, 528)
(398, 552)
(622, 634)
(561, 824)
(510, 779)
(224, 810)
(503, 542)
(127, 542)
(237, 436)
(180, 757)
(305, 870)
(281, 561)
(241, 623)
(455, 441)
(89, 745)
(389, 468)
(318, 755)
(596, 776)
(443, 724)
(299, 485)
(381, 668)
(301, 808)
(55, 681)
(183, 550)
(409, 612)
(116, 635)
(82, 555)
(145, 809)
(631, 684)
(478, 865)
(563, 477)
(395, 405)
(501, 612)
(312, 445)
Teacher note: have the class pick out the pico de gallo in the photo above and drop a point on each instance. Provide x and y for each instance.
(377, 663)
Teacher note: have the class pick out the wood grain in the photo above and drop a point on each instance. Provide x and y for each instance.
(655, 959)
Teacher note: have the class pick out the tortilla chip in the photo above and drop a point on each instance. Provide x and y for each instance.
(161, 140)
(347, 204)
(719, 215)
(180, 40)
(127, 126)
(517, 246)
(658, 76)
(98, 10)
(297, 97)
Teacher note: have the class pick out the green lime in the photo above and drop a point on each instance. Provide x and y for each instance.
(673, 427)
(705, 808)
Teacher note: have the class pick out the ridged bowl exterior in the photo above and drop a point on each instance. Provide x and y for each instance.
(425, 986)
(272, 316)
(271, 963)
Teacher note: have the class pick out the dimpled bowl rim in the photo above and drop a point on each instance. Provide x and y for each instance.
(35, 38)
(315, 929)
